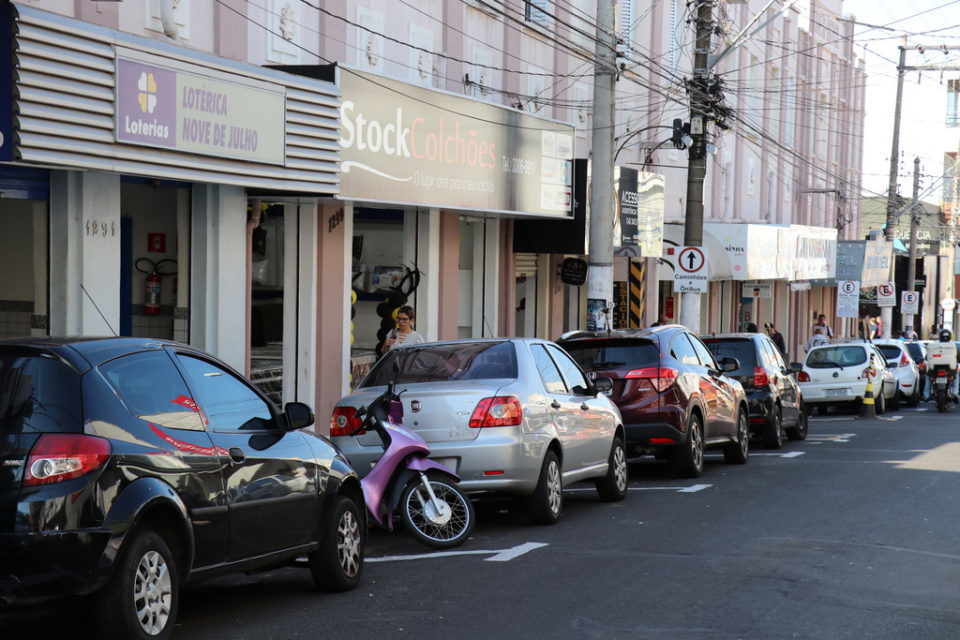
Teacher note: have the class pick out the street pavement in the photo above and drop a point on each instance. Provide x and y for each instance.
(850, 534)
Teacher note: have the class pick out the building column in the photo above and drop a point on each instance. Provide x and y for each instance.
(84, 253)
(448, 282)
(334, 242)
(219, 258)
(427, 259)
(40, 320)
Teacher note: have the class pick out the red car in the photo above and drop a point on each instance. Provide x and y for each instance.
(675, 398)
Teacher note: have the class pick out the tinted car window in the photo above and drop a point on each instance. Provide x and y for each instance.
(706, 358)
(227, 402)
(915, 350)
(682, 350)
(741, 349)
(889, 351)
(549, 373)
(776, 357)
(38, 395)
(612, 354)
(840, 355)
(568, 368)
(152, 389)
(439, 363)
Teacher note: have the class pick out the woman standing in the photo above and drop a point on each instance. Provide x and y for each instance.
(404, 333)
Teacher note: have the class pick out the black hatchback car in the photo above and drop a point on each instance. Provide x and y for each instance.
(129, 466)
(776, 404)
(673, 395)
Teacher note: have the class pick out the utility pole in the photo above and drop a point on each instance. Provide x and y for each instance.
(600, 257)
(886, 314)
(912, 265)
(697, 163)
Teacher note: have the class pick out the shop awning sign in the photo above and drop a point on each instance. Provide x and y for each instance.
(690, 275)
(848, 299)
(887, 295)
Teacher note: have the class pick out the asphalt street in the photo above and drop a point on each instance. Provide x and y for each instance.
(850, 534)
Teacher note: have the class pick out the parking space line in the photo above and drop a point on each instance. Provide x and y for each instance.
(831, 437)
(789, 454)
(499, 555)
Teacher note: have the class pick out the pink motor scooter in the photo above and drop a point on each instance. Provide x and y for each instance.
(432, 508)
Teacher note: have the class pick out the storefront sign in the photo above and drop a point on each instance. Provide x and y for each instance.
(848, 299)
(170, 108)
(690, 275)
(758, 290)
(815, 251)
(756, 252)
(573, 271)
(877, 256)
(650, 207)
(406, 144)
(626, 181)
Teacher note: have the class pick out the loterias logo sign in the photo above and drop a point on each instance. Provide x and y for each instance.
(403, 144)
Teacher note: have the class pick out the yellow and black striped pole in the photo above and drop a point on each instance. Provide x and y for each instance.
(636, 292)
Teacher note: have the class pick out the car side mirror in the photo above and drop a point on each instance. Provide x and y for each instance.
(795, 367)
(729, 364)
(603, 385)
(298, 415)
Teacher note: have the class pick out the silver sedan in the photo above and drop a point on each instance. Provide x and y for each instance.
(509, 415)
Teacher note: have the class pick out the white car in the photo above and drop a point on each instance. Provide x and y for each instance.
(904, 368)
(837, 374)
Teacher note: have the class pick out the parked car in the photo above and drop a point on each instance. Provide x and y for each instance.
(837, 374)
(675, 398)
(509, 415)
(774, 399)
(130, 466)
(918, 353)
(899, 360)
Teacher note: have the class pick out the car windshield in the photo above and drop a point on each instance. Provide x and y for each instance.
(836, 356)
(442, 362)
(613, 353)
(38, 394)
(742, 349)
(889, 351)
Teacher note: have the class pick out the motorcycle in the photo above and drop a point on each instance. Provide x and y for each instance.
(942, 381)
(432, 508)
(941, 369)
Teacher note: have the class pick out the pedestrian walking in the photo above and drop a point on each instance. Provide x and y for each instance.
(826, 329)
(816, 339)
(777, 338)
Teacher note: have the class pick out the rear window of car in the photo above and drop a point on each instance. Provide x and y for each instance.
(613, 353)
(742, 349)
(889, 351)
(443, 362)
(833, 356)
(915, 350)
(38, 394)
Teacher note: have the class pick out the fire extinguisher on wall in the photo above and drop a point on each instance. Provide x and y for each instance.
(152, 283)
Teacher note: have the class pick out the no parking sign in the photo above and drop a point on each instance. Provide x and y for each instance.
(910, 302)
(886, 295)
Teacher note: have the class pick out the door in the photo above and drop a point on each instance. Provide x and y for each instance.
(725, 399)
(563, 405)
(270, 477)
(787, 389)
(594, 429)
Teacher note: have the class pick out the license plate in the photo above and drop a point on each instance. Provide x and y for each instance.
(837, 392)
(941, 382)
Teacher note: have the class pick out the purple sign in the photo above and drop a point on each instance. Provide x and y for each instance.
(146, 104)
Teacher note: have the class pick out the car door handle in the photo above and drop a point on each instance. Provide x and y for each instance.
(555, 404)
(236, 454)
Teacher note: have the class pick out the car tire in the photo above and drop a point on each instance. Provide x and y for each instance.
(799, 432)
(879, 402)
(738, 452)
(613, 486)
(895, 399)
(773, 438)
(142, 597)
(688, 457)
(545, 504)
(338, 563)
(914, 399)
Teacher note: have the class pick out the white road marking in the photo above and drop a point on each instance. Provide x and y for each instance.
(691, 489)
(890, 418)
(789, 454)
(695, 488)
(831, 437)
(499, 555)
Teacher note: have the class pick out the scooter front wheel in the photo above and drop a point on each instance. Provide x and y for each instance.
(442, 524)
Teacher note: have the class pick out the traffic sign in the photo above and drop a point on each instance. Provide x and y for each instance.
(886, 295)
(690, 274)
(910, 302)
(948, 304)
(848, 299)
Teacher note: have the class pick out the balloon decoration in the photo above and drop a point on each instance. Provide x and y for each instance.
(387, 310)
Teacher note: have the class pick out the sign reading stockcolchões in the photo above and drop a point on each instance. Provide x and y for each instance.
(405, 144)
(163, 107)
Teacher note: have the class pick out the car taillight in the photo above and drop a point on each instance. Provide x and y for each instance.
(760, 378)
(660, 377)
(803, 376)
(499, 411)
(904, 360)
(345, 422)
(62, 456)
(941, 373)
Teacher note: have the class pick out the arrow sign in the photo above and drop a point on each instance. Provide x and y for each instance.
(690, 276)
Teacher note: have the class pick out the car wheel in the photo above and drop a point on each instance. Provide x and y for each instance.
(613, 486)
(143, 595)
(773, 438)
(895, 399)
(338, 563)
(799, 432)
(880, 403)
(737, 452)
(688, 457)
(914, 399)
(546, 501)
